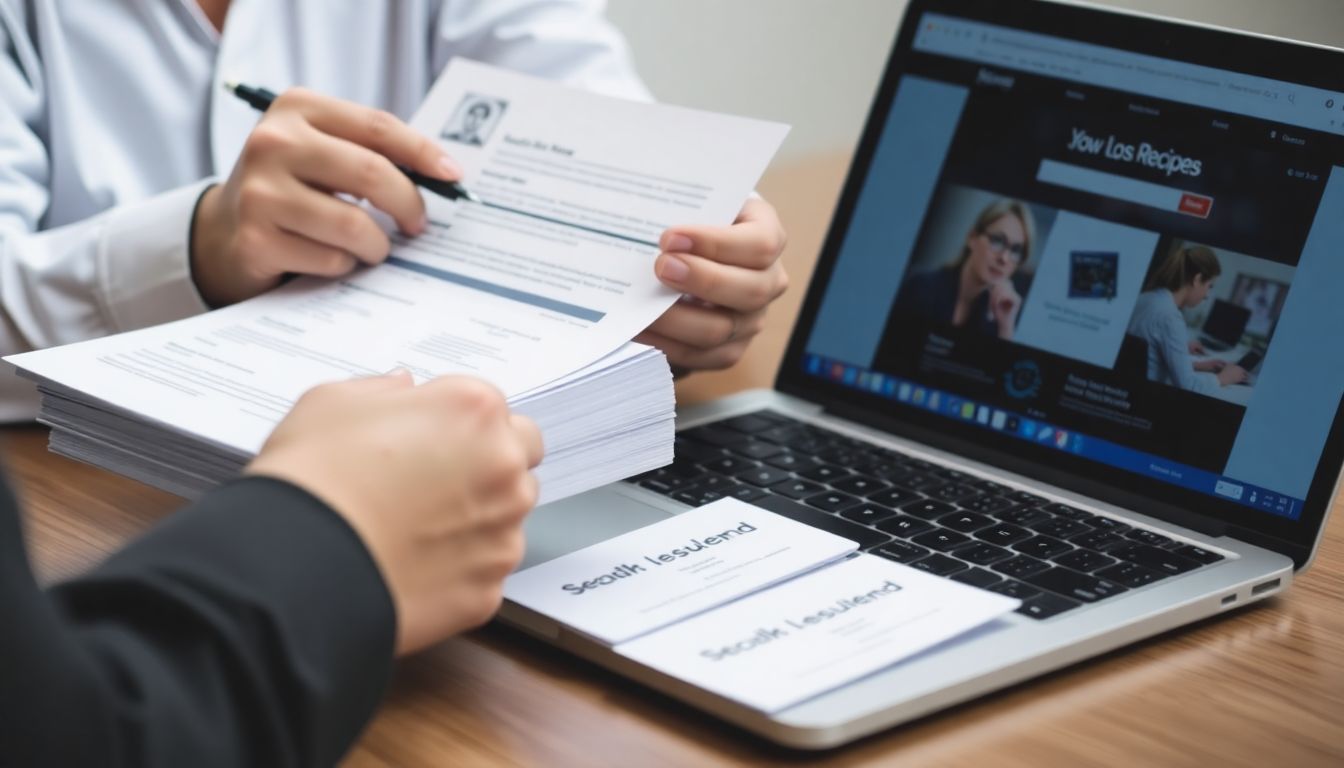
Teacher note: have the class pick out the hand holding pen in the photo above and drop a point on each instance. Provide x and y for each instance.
(278, 212)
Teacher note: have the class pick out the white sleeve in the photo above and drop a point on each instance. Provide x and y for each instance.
(122, 269)
(566, 40)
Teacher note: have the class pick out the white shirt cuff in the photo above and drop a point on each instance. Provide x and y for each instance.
(144, 263)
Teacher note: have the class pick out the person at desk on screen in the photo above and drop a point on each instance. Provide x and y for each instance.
(1182, 280)
(133, 191)
(976, 291)
(257, 627)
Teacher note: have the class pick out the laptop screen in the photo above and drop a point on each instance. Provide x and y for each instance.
(1096, 250)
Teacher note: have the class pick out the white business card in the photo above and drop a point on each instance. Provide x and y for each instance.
(816, 632)
(662, 573)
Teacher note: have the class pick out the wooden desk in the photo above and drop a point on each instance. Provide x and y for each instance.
(1258, 687)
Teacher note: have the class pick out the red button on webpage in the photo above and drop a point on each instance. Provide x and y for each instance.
(1195, 205)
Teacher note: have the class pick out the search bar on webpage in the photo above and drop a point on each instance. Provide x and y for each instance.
(1118, 187)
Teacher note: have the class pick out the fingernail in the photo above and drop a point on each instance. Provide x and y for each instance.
(449, 167)
(676, 243)
(674, 270)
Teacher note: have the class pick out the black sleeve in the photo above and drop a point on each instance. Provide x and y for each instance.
(250, 629)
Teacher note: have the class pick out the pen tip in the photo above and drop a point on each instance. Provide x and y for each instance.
(231, 86)
(472, 196)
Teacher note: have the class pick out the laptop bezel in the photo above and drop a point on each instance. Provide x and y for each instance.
(1224, 49)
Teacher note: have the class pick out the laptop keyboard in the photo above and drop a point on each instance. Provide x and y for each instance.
(1052, 556)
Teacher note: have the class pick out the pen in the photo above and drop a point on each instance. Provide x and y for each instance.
(261, 99)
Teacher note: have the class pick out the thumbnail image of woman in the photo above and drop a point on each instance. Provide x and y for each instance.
(1182, 280)
(976, 290)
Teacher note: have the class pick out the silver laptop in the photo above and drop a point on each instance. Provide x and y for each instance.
(993, 377)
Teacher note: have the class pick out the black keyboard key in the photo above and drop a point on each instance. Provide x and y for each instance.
(832, 501)
(758, 449)
(941, 539)
(925, 508)
(866, 537)
(984, 504)
(716, 435)
(893, 497)
(1130, 575)
(965, 522)
(901, 551)
(1197, 553)
(694, 452)
(1059, 527)
(949, 491)
(659, 486)
(1162, 560)
(784, 434)
(842, 456)
(1045, 605)
(989, 486)
(825, 473)
(752, 423)
(905, 526)
(1029, 499)
(1020, 566)
(1075, 585)
(948, 473)
(1148, 537)
(977, 577)
(728, 465)
(939, 565)
(1015, 589)
(697, 495)
(748, 493)
(1108, 524)
(1066, 511)
(793, 462)
(797, 489)
(859, 485)
(1084, 560)
(1044, 547)
(984, 554)
(1019, 514)
(915, 480)
(1097, 541)
(1003, 534)
(762, 476)
(869, 514)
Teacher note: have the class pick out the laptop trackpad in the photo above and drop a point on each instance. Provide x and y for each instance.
(563, 526)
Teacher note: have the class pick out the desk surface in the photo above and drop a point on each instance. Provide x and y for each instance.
(1259, 687)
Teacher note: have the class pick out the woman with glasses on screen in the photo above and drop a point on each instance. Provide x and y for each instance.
(976, 291)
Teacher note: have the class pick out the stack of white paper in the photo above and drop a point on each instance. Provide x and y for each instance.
(608, 421)
(538, 289)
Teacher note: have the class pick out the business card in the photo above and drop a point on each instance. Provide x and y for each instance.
(662, 573)
(816, 632)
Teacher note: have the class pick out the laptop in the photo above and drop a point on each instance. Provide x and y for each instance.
(1010, 453)
(1225, 325)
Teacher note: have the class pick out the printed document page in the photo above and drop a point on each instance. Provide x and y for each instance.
(784, 645)
(624, 587)
(553, 271)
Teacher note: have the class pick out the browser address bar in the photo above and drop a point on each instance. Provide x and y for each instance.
(1122, 70)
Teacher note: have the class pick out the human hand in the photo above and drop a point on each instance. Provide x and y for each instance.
(277, 213)
(434, 479)
(731, 274)
(1211, 365)
(1196, 348)
(1004, 302)
(1232, 374)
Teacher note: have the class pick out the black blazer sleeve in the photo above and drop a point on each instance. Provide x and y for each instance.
(250, 629)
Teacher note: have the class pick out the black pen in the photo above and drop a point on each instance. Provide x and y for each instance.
(261, 99)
